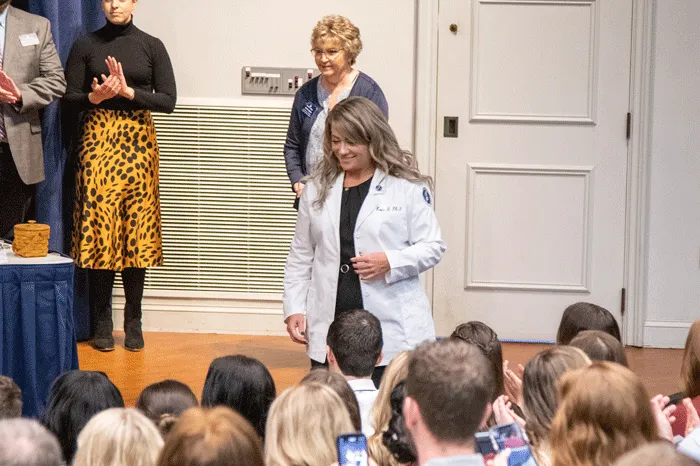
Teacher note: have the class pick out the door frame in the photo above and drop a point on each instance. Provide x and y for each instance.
(638, 153)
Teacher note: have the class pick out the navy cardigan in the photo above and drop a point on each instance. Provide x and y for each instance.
(306, 108)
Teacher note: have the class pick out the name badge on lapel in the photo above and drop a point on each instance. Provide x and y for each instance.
(309, 109)
(28, 40)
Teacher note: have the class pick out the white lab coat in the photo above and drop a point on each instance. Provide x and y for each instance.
(396, 218)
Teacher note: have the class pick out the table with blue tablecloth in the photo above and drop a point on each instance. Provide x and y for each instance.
(37, 333)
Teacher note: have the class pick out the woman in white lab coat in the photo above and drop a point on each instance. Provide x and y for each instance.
(366, 229)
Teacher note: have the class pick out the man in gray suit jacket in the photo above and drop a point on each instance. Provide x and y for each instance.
(31, 78)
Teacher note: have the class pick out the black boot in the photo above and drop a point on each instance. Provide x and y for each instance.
(133, 279)
(103, 339)
(101, 282)
(133, 341)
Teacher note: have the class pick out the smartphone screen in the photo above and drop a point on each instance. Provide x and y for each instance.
(511, 436)
(352, 450)
(486, 445)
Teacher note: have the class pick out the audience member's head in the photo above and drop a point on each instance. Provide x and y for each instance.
(542, 373)
(212, 437)
(243, 384)
(449, 389)
(479, 334)
(303, 425)
(396, 438)
(604, 412)
(25, 442)
(690, 369)
(118, 437)
(355, 343)
(10, 398)
(341, 386)
(600, 346)
(163, 402)
(382, 411)
(585, 316)
(74, 398)
(655, 454)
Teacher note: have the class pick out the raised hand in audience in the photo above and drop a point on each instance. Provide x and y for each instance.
(692, 420)
(514, 383)
(663, 415)
(504, 414)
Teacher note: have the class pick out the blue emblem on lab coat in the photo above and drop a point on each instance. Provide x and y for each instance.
(426, 195)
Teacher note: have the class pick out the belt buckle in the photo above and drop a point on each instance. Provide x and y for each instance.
(344, 268)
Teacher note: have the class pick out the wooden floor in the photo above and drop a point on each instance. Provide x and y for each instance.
(186, 357)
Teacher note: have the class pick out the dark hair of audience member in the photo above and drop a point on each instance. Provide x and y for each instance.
(479, 334)
(10, 398)
(655, 454)
(243, 384)
(542, 373)
(397, 438)
(600, 346)
(212, 437)
(690, 368)
(585, 316)
(25, 442)
(74, 398)
(452, 384)
(604, 412)
(163, 402)
(355, 337)
(339, 385)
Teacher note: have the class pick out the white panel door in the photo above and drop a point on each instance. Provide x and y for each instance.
(531, 193)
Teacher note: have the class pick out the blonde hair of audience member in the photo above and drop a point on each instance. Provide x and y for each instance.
(303, 424)
(600, 346)
(540, 379)
(604, 412)
(655, 454)
(338, 31)
(690, 369)
(339, 385)
(359, 120)
(395, 372)
(118, 437)
(212, 437)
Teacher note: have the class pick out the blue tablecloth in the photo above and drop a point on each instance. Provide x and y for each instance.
(37, 334)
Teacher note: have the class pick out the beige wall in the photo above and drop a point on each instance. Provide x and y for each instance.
(210, 40)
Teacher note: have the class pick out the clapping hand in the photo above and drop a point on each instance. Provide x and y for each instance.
(369, 266)
(9, 92)
(115, 69)
(663, 415)
(692, 420)
(514, 383)
(504, 414)
(109, 88)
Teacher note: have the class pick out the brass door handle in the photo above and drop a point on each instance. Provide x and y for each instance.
(454, 28)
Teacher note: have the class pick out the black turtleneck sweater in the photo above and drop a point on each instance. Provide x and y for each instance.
(145, 61)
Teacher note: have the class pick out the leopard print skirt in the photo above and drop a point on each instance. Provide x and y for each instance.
(117, 211)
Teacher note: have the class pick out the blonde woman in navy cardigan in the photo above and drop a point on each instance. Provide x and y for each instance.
(335, 45)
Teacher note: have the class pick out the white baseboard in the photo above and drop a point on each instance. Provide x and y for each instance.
(662, 334)
(188, 315)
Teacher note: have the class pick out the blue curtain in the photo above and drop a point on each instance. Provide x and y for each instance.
(54, 196)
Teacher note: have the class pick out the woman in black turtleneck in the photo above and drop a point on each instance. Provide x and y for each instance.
(116, 77)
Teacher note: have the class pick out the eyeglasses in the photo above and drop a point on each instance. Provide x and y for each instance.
(331, 54)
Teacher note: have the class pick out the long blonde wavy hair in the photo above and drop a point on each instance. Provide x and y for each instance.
(604, 412)
(360, 121)
(396, 371)
(303, 425)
